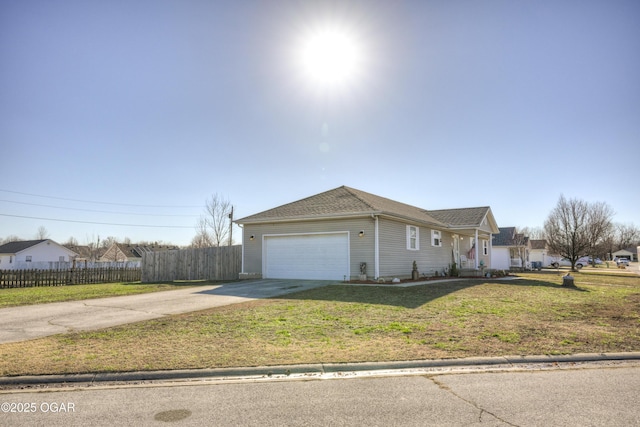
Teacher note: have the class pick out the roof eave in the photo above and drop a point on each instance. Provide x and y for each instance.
(306, 218)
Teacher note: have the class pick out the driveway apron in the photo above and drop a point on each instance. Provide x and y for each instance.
(35, 321)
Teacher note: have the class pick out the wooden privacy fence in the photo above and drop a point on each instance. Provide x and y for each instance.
(220, 263)
(33, 278)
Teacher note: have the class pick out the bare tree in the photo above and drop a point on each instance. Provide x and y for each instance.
(520, 249)
(94, 245)
(202, 238)
(213, 228)
(9, 239)
(575, 228)
(536, 233)
(71, 241)
(599, 227)
(42, 233)
(106, 243)
(626, 235)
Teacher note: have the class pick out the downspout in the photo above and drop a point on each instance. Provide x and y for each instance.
(242, 261)
(376, 249)
(477, 253)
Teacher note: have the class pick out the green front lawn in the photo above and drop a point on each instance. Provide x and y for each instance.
(351, 323)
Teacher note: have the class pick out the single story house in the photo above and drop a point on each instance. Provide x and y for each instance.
(131, 255)
(510, 249)
(630, 253)
(346, 234)
(34, 254)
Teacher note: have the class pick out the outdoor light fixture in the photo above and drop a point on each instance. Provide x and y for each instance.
(361, 233)
(252, 237)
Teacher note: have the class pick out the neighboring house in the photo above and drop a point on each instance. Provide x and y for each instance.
(539, 252)
(346, 233)
(510, 249)
(131, 255)
(630, 253)
(84, 253)
(34, 254)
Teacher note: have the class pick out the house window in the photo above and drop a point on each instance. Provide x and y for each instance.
(485, 247)
(28, 258)
(61, 258)
(436, 238)
(413, 238)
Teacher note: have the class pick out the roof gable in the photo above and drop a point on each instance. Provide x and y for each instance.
(467, 217)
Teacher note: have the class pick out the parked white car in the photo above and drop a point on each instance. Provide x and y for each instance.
(622, 261)
(564, 262)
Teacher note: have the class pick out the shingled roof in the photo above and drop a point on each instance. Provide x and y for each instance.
(347, 201)
(15, 247)
(509, 237)
(462, 217)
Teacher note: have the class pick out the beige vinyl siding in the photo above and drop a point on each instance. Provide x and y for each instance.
(397, 261)
(361, 249)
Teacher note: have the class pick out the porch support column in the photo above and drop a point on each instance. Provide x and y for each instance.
(477, 244)
(490, 264)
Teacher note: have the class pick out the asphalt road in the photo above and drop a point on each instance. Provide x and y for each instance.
(29, 322)
(590, 396)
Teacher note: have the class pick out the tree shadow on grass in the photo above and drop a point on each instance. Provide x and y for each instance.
(414, 296)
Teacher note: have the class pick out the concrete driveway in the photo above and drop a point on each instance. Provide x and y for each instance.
(35, 321)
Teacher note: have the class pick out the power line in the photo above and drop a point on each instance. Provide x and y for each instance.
(97, 202)
(95, 210)
(99, 223)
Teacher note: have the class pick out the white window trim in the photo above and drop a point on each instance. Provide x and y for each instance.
(435, 233)
(409, 238)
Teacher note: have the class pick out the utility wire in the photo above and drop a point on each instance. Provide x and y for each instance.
(97, 202)
(95, 210)
(99, 223)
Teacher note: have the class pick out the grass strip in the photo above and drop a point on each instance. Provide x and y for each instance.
(13, 297)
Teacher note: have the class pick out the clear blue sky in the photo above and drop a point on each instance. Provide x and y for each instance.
(160, 104)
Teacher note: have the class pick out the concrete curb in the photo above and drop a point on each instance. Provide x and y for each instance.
(311, 369)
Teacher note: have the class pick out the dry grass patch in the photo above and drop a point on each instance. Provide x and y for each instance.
(348, 323)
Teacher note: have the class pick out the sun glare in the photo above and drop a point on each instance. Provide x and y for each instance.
(330, 57)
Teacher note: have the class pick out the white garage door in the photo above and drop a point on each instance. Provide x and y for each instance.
(306, 256)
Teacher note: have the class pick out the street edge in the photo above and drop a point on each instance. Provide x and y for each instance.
(313, 369)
